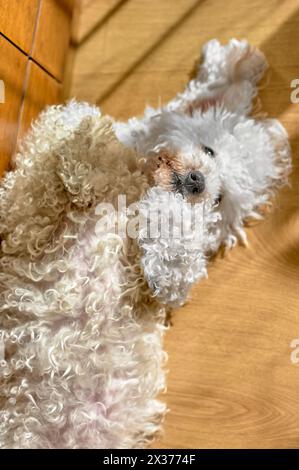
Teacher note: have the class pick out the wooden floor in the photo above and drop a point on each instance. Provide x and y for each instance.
(231, 382)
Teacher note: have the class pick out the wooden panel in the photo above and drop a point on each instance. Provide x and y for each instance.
(12, 72)
(17, 21)
(90, 14)
(231, 381)
(143, 51)
(42, 90)
(52, 36)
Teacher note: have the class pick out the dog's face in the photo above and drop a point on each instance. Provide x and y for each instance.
(183, 159)
(190, 172)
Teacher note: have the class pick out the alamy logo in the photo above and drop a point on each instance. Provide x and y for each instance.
(162, 221)
(295, 93)
(295, 353)
(2, 92)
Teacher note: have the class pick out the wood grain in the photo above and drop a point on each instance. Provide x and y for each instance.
(41, 90)
(231, 382)
(52, 36)
(12, 72)
(89, 15)
(17, 21)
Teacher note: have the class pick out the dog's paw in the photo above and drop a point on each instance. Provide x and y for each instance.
(230, 241)
(233, 237)
(249, 63)
(235, 61)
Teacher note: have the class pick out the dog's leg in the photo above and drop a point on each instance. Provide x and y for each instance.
(227, 75)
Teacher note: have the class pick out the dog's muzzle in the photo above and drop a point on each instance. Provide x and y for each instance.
(194, 182)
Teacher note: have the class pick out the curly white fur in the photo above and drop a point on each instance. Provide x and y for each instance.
(82, 335)
(252, 156)
(173, 261)
(82, 317)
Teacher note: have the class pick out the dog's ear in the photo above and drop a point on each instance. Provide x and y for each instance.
(136, 133)
(51, 160)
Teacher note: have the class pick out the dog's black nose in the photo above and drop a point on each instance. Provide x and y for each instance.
(195, 182)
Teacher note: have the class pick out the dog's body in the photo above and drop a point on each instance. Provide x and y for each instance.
(82, 335)
(82, 316)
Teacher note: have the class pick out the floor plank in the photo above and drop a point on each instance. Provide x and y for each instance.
(12, 73)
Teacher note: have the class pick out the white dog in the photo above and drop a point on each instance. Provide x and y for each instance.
(205, 147)
(82, 308)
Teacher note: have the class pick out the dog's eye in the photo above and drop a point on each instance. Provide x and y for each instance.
(208, 151)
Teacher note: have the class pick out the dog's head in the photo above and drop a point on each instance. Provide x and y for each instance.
(182, 155)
